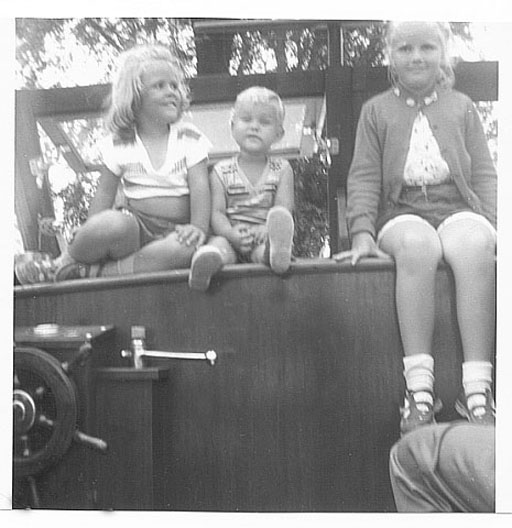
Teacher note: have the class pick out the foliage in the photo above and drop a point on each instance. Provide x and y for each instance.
(363, 45)
(311, 222)
(262, 51)
(490, 124)
(79, 193)
(46, 43)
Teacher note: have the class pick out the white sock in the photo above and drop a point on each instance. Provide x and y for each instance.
(419, 376)
(476, 380)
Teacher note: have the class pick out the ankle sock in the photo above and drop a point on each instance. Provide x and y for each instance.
(419, 376)
(476, 380)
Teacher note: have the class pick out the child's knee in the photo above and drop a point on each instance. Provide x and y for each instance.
(111, 223)
(171, 246)
(419, 245)
(479, 244)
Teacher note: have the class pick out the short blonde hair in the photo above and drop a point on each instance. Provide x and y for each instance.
(446, 77)
(260, 95)
(125, 99)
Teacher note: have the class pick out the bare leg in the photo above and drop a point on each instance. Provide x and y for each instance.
(259, 255)
(416, 249)
(160, 255)
(106, 235)
(469, 249)
(229, 255)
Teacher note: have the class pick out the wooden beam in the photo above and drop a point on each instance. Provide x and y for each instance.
(220, 25)
(477, 79)
(219, 88)
(88, 101)
(73, 103)
(64, 144)
(32, 194)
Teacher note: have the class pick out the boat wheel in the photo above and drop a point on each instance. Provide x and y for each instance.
(44, 411)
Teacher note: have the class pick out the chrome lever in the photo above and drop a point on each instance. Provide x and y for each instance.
(138, 351)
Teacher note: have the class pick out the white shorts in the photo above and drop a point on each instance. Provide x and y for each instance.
(463, 215)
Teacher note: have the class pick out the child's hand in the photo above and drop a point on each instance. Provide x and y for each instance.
(363, 245)
(190, 235)
(241, 238)
(259, 233)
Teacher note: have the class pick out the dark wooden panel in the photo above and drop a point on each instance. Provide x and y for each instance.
(339, 124)
(129, 418)
(301, 408)
(221, 88)
(479, 80)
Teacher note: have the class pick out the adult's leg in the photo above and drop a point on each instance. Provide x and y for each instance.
(443, 468)
(466, 465)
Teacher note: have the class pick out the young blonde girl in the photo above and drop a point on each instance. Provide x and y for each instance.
(252, 193)
(160, 165)
(421, 188)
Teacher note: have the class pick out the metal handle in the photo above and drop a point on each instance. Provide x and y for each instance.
(138, 351)
(209, 355)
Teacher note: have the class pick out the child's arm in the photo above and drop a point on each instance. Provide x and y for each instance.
(194, 234)
(105, 193)
(285, 194)
(484, 178)
(238, 236)
(365, 175)
(363, 245)
(364, 188)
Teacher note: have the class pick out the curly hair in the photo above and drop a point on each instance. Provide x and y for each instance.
(125, 98)
(446, 78)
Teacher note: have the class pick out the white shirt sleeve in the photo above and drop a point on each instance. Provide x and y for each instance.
(110, 155)
(198, 145)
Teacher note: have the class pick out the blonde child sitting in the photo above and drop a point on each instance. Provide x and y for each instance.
(421, 188)
(252, 194)
(159, 162)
